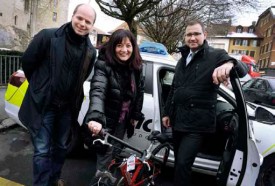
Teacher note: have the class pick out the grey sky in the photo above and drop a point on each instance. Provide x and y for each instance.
(245, 18)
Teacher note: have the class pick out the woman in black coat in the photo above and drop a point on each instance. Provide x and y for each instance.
(116, 94)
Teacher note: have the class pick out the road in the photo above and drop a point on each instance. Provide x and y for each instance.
(16, 160)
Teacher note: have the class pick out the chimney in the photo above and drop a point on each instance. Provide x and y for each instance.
(253, 23)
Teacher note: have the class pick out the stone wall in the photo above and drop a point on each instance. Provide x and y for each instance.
(13, 38)
(19, 23)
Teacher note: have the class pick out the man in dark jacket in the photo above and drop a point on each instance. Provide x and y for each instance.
(56, 63)
(191, 104)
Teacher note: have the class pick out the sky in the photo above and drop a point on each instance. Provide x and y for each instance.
(107, 23)
(246, 17)
(103, 22)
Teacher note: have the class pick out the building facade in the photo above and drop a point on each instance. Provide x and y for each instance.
(244, 40)
(221, 42)
(20, 20)
(266, 28)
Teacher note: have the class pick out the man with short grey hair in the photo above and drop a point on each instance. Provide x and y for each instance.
(56, 63)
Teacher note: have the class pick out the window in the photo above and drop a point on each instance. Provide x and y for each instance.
(239, 29)
(270, 46)
(267, 62)
(1, 14)
(245, 42)
(258, 84)
(264, 63)
(269, 32)
(252, 53)
(262, 86)
(54, 16)
(148, 73)
(237, 42)
(272, 83)
(27, 5)
(266, 47)
(15, 20)
(247, 84)
(250, 30)
(260, 63)
(254, 43)
(55, 2)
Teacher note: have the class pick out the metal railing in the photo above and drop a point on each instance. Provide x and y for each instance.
(8, 65)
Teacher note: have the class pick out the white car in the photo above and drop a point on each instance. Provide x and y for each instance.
(231, 154)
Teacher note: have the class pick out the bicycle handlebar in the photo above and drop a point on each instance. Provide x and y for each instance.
(107, 135)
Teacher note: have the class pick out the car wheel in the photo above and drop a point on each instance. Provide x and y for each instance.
(267, 172)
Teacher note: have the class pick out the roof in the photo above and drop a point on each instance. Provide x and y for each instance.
(159, 58)
(242, 35)
(269, 10)
(123, 25)
(99, 31)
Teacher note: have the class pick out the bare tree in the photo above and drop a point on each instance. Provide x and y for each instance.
(164, 21)
(166, 26)
(168, 23)
(128, 11)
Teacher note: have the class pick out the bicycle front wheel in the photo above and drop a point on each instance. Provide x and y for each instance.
(164, 154)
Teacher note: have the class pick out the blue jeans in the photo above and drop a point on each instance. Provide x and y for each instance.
(50, 146)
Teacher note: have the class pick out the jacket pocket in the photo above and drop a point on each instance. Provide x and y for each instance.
(41, 86)
(196, 115)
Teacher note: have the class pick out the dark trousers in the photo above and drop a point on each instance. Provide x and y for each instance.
(50, 146)
(104, 160)
(186, 148)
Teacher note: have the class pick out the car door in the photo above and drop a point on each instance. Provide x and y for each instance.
(261, 91)
(241, 160)
(247, 89)
(264, 92)
(254, 90)
(240, 163)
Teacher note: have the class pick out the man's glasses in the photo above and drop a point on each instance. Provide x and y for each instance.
(193, 34)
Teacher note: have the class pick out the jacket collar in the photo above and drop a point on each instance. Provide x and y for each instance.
(61, 32)
(185, 49)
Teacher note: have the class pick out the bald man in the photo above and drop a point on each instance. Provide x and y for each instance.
(56, 63)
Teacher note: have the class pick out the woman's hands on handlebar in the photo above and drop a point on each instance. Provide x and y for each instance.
(95, 127)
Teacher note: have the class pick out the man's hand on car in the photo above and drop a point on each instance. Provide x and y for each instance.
(221, 73)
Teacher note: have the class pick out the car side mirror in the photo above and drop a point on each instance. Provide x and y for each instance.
(264, 116)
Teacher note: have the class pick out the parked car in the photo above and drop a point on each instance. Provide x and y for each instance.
(260, 90)
(242, 80)
(231, 153)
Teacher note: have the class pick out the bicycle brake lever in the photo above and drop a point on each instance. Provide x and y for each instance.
(145, 162)
(104, 141)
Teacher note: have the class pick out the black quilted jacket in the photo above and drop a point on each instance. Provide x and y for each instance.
(106, 95)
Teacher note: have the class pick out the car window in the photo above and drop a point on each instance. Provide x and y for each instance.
(259, 84)
(148, 77)
(247, 84)
(168, 78)
(272, 83)
(245, 78)
(165, 80)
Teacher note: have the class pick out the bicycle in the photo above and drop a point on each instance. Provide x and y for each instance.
(139, 170)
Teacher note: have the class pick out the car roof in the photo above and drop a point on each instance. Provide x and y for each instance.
(270, 79)
(267, 77)
(159, 58)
